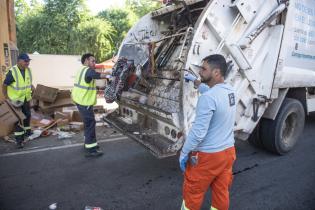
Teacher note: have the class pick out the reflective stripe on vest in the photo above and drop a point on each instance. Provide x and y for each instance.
(21, 88)
(213, 208)
(84, 93)
(83, 87)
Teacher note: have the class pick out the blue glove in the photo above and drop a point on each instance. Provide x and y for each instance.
(189, 77)
(183, 162)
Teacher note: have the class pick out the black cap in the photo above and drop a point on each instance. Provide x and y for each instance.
(24, 57)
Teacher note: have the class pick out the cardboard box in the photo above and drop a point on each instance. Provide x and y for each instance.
(6, 114)
(63, 122)
(63, 99)
(9, 115)
(76, 126)
(63, 115)
(76, 117)
(6, 129)
(41, 123)
(44, 93)
(17, 112)
(7, 119)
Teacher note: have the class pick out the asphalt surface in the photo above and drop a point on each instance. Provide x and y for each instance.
(49, 170)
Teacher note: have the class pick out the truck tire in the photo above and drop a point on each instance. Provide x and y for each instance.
(255, 139)
(280, 135)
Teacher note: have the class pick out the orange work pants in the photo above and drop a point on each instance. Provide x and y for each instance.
(212, 170)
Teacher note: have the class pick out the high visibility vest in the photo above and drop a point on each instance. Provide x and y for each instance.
(21, 88)
(83, 93)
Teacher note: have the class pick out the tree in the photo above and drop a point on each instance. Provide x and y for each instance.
(142, 7)
(23, 9)
(67, 27)
(96, 34)
(60, 28)
(120, 20)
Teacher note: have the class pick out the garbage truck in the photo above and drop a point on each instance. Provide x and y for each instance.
(269, 46)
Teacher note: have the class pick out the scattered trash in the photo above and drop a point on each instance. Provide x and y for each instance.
(136, 133)
(53, 113)
(8, 139)
(36, 134)
(92, 208)
(45, 133)
(53, 206)
(65, 135)
(76, 126)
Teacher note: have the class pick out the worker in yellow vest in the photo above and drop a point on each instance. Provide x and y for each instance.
(17, 87)
(84, 96)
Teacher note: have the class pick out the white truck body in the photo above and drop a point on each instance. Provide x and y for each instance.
(270, 47)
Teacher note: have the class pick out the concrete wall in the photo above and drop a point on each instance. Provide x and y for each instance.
(55, 70)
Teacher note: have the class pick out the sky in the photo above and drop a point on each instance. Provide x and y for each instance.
(98, 5)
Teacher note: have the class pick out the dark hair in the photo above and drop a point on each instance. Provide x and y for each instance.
(86, 56)
(217, 61)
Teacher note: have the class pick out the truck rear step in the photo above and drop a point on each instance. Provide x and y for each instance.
(157, 144)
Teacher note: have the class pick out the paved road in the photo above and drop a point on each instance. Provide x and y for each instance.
(128, 177)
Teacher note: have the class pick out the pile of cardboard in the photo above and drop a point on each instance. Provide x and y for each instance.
(48, 98)
(9, 116)
(58, 105)
(56, 110)
(68, 119)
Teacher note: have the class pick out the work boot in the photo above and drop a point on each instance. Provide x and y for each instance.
(96, 147)
(93, 152)
(28, 133)
(19, 145)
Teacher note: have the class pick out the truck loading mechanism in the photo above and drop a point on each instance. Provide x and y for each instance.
(269, 47)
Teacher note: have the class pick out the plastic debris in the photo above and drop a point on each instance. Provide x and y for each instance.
(53, 206)
(36, 134)
(65, 135)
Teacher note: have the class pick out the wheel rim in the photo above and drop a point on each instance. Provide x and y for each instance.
(288, 129)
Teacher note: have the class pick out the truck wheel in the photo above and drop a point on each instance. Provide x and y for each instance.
(280, 135)
(255, 139)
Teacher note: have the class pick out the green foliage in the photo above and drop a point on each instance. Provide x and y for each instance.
(119, 19)
(142, 7)
(62, 27)
(95, 35)
(67, 27)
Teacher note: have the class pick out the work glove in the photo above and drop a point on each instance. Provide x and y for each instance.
(189, 77)
(183, 162)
